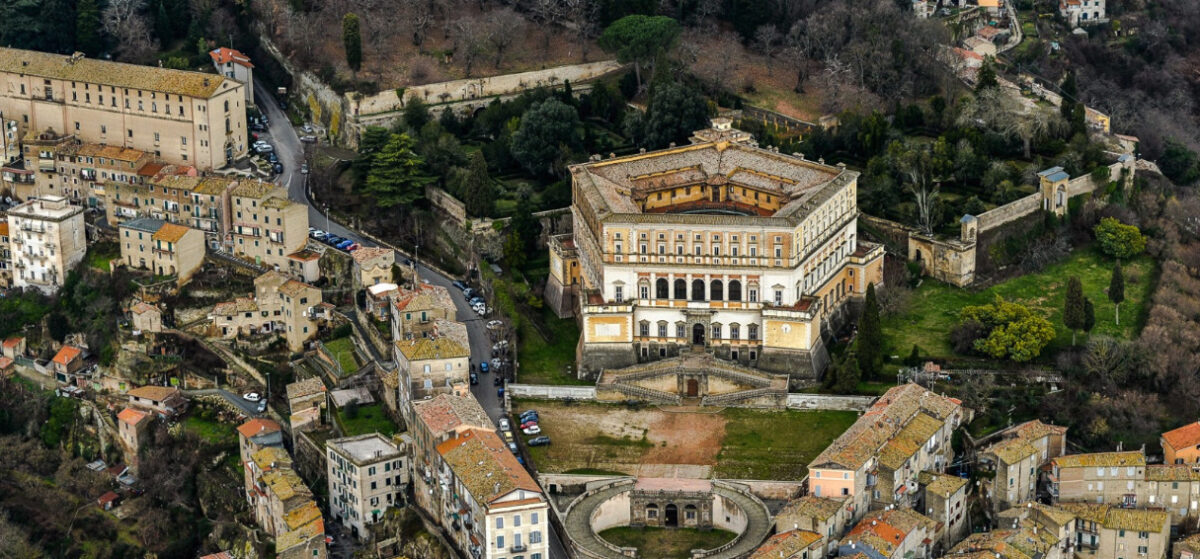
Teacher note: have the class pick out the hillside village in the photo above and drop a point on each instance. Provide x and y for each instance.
(598, 280)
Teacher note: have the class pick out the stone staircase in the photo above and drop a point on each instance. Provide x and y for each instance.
(649, 394)
(741, 396)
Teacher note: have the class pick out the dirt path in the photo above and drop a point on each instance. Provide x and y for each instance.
(684, 438)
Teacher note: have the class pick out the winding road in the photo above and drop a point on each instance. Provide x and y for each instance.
(290, 151)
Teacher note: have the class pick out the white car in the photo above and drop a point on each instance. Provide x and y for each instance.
(252, 396)
(532, 430)
(495, 324)
(504, 425)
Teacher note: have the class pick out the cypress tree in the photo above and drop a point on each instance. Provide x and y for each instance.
(869, 345)
(1074, 311)
(352, 40)
(1089, 315)
(477, 191)
(1116, 289)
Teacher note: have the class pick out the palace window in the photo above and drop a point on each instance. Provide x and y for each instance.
(752, 332)
(735, 331)
(662, 329)
(644, 328)
(716, 331)
(680, 330)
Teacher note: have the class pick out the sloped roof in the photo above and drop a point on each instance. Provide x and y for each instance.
(170, 232)
(67, 354)
(484, 465)
(142, 308)
(420, 349)
(943, 485)
(222, 55)
(1128, 458)
(155, 393)
(306, 387)
(444, 412)
(1188, 435)
(115, 74)
(883, 420)
(131, 416)
(258, 426)
(786, 545)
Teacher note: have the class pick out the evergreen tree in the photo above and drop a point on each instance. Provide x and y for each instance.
(869, 345)
(476, 187)
(674, 112)
(547, 130)
(987, 76)
(416, 113)
(1070, 92)
(162, 24)
(397, 175)
(352, 40)
(1074, 311)
(1116, 289)
(849, 374)
(87, 28)
(1089, 315)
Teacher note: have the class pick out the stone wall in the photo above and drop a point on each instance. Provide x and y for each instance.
(326, 107)
(477, 88)
(551, 392)
(1011, 211)
(893, 235)
(828, 402)
(443, 201)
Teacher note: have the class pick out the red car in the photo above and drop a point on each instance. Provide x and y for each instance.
(528, 424)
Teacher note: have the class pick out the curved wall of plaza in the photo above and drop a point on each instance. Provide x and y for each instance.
(719, 246)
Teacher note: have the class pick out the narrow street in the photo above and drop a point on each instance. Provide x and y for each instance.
(291, 155)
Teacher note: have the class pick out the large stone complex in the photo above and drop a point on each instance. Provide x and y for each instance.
(719, 246)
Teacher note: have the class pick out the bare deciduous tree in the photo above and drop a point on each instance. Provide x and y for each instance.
(123, 20)
(504, 28)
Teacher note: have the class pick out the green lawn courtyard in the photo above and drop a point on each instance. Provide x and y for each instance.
(933, 309)
(342, 349)
(666, 543)
(367, 419)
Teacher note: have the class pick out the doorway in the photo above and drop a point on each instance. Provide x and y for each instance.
(698, 334)
(693, 388)
(671, 517)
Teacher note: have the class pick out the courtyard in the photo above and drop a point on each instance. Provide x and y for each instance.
(648, 441)
(666, 543)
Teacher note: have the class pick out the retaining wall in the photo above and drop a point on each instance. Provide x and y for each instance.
(551, 392)
(828, 402)
(1013, 210)
(326, 106)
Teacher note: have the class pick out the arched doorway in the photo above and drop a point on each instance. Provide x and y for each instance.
(698, 334)
(671, 516)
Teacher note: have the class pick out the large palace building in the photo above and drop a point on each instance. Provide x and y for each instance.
(717, 247)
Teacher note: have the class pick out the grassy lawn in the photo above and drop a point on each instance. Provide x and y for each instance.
(546, 362)
(101, 254)
(213, 432)
(933, 308)
(369, 419)
(342, 349)
(764, 444)
(666, 543)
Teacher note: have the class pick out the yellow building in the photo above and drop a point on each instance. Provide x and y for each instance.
(291, 308)
(166, 249)
(264, 226)
(189, 118)
(719, 246)
(431, 366)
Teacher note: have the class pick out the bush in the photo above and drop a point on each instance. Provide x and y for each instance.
(963, 336)
(342, 331)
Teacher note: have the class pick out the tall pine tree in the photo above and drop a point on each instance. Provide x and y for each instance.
(396, 178)
(869, 345)
(87, 28)
(352, 40)
(476, 188)
(1074, 311)
(1116, 289)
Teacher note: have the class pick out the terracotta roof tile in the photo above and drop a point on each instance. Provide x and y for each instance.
(484, 465)
(787, 545)
(170, 233)
(444, 412)
(115, 74)
(131, 416)
(420, 349)
(1188, 435)
(258, 426)
(67, 354)
(155, 393)
(1128, 458)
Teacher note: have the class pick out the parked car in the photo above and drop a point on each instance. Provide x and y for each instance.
(513, 447)
(304, 168)
(483, 367)
(459, 284)
(474, 379)
(508, 436)
(307, 128)
(539, 441)
(504, 424)
(272, 157)
(277, 167)
(495, 323)
(264, 148)
(496, 362)
(500, 392)
(310, 139)
(468, 293)
(262, 407)
(529, 414)
(528, 424)
(333, 240)
(532, 430)
(476, 300)
(353, 247)
(497, 380)
(251, 396)
(345, 243)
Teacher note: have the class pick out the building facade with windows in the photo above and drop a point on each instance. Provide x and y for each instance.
(264, 226)
(431, 366)
(234, 65)
(190, 118)
(367, 474)
(719, 246)
(46, 238)
(165, 249)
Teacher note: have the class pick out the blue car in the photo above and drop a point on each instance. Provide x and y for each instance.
(483, 367)
(333, 239)
(344, 244)
(500, 392)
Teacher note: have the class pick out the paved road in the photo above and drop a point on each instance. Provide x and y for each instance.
(248, 408)
(291, 155)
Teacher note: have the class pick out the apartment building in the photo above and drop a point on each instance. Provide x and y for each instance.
(1028, 532)
(253, 436)
(373, 265)
(6, 263)
(165, 249)
(1174, 488)
(236, 66)
(793, 544)
(891, 534)
(431, 366)
(852, 465)
(367, 474)
(1017, 458)
(719, 246)
(264, 226)
(46, 239)
(284, 507)
(1187, 548)
(291, 308)
(943, 498)
(1102, 477)
(492, 508)
(1182, 445)
(415, 309)
(1110, 532)
(821, 515)
(183, 117)
(437, 420)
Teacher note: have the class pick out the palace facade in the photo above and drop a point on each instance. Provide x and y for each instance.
(719, 246)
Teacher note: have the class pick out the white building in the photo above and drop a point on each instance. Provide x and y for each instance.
(234, 65)
(367, 474)
(1082, 12)
(46, 240)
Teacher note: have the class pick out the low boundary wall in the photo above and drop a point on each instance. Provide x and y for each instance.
(828, 402)
(551, 392)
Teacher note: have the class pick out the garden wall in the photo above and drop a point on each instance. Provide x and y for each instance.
(550, 392)
(1013, 210)
(325, 105)
(828, 402)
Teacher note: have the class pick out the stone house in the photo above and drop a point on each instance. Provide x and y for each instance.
(284, 507)
(1102, 477)
(281, 304)
(132, 425)
(66, 363)
(146, 317)
(431, 366)
(307, 402)
(891, 534)
(379, 298)
(1182, 445)
(437, 420)
(236, 66)
(1082, 12)
(253, 436)
(793, 544)
(373, 265)
(6, 265)
(1104, 531)
(414, 310)
(14, 347)
(943, 498)
(1187, 548)
(163, 248)
(1023, 533)
(1018, 457)
(166, 401)
(46, 239)
(265, 225)
(825, 516)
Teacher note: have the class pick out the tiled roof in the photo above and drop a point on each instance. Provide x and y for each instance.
(300, 536)
(1055, 514)
(239, 305)
(989, 545)
(1186, 436)
(883, 420)
(119, 153)
(1116, 518)
(115, 74)
(270, 458)
(1012, 451)
(444, 412)
(13, 341)
(222, 55)
(424, 297)
(1128, 458)
(452, 329)
(143, 308)
(943, 485)
(302, 515)
(420, 349)
(484, 465)
(908, 441)
(277, 202)
(131, 416)
(1173, 472)
(293, 288)
(786, 545)
(304, 255)
(306, 387)
(253, 189)
(170, 233)
(67, 354)
(365, 256)
(1032, 430)
(155, 393)
(258, 426)
(5, 362)
(144, 224)
(884, 531)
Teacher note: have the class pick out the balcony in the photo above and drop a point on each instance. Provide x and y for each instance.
(518, 548)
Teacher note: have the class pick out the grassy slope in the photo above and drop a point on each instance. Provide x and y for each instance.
(666, 543)
(343, 350)
(761, 444)
(933, 309)
(370, 419)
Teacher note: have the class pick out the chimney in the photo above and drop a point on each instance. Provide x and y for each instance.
(205, 82)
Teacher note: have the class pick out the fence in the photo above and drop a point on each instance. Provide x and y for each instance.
(827, 402)
(550, 392)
